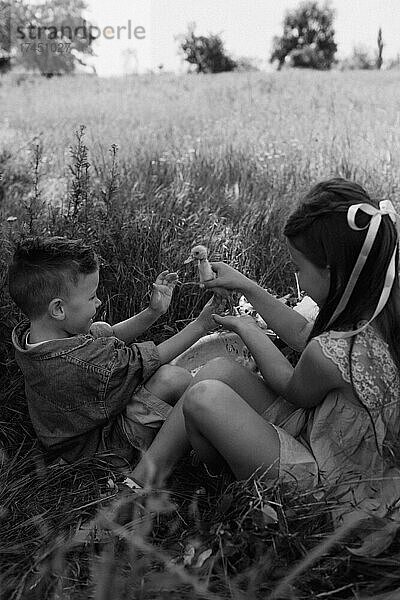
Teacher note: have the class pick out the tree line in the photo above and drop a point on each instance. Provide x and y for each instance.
(307, 40)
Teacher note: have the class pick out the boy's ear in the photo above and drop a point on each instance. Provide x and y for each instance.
(56, 309)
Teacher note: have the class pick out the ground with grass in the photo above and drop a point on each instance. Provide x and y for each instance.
(142, 167)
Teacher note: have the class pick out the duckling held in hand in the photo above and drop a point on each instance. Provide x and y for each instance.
(200, 254)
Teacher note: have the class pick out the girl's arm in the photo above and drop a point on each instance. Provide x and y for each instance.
(292, 327)
(288, 324)
(313, 378)
(304, 386)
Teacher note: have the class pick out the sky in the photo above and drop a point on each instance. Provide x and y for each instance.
(246, 27)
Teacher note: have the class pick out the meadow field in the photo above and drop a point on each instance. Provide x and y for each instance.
(142, 167)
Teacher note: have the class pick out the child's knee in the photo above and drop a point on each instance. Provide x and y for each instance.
(169, 383)
(218, 368)
(200, 398)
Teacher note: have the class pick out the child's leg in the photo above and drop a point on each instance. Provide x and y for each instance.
(219, 421)
(171, 442)
(246, 384)
(169, 383)
(151, 405)
(249, 386)
(169, 445)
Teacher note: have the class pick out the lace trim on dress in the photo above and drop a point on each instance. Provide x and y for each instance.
(337, 350)
(375, 376)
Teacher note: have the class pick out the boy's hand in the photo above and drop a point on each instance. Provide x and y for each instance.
(213, 307)
(162, 292)
(235, 324)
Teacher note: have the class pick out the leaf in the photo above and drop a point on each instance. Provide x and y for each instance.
(269, 514)
(377, 542)
(203, 556)
(87, 533)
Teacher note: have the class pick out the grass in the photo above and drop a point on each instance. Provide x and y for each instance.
(162, 163)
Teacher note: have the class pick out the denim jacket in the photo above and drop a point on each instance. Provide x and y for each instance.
(77, 388)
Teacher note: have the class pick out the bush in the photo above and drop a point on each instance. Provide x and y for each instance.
(360, 59)
(207, 53)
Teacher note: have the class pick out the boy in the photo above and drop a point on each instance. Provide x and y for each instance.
(89, 388)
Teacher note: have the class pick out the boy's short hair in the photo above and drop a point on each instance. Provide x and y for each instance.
(44, 268)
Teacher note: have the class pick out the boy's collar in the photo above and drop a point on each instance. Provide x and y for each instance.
(29, 345)
(51, 346)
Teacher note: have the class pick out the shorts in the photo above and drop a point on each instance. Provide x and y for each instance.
(143, 417)
(296, 462)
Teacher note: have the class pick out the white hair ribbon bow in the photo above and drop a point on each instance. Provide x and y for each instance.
(385, 208)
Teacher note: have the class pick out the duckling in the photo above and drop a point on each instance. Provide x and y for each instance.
(200, 254)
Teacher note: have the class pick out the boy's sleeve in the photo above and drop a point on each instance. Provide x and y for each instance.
(130, 367)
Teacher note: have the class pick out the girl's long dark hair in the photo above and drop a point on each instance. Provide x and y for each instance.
(318, 229)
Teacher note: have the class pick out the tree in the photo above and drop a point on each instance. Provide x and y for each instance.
(206, 52)
(379, 59)
(307, 39)
(5, 37)
(50, 37)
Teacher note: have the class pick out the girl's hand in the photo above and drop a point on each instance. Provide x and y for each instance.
(206, 317)
(162, 292)
(235, 324)
(227, 277)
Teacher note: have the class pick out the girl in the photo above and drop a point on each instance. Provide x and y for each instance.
(335, 417)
